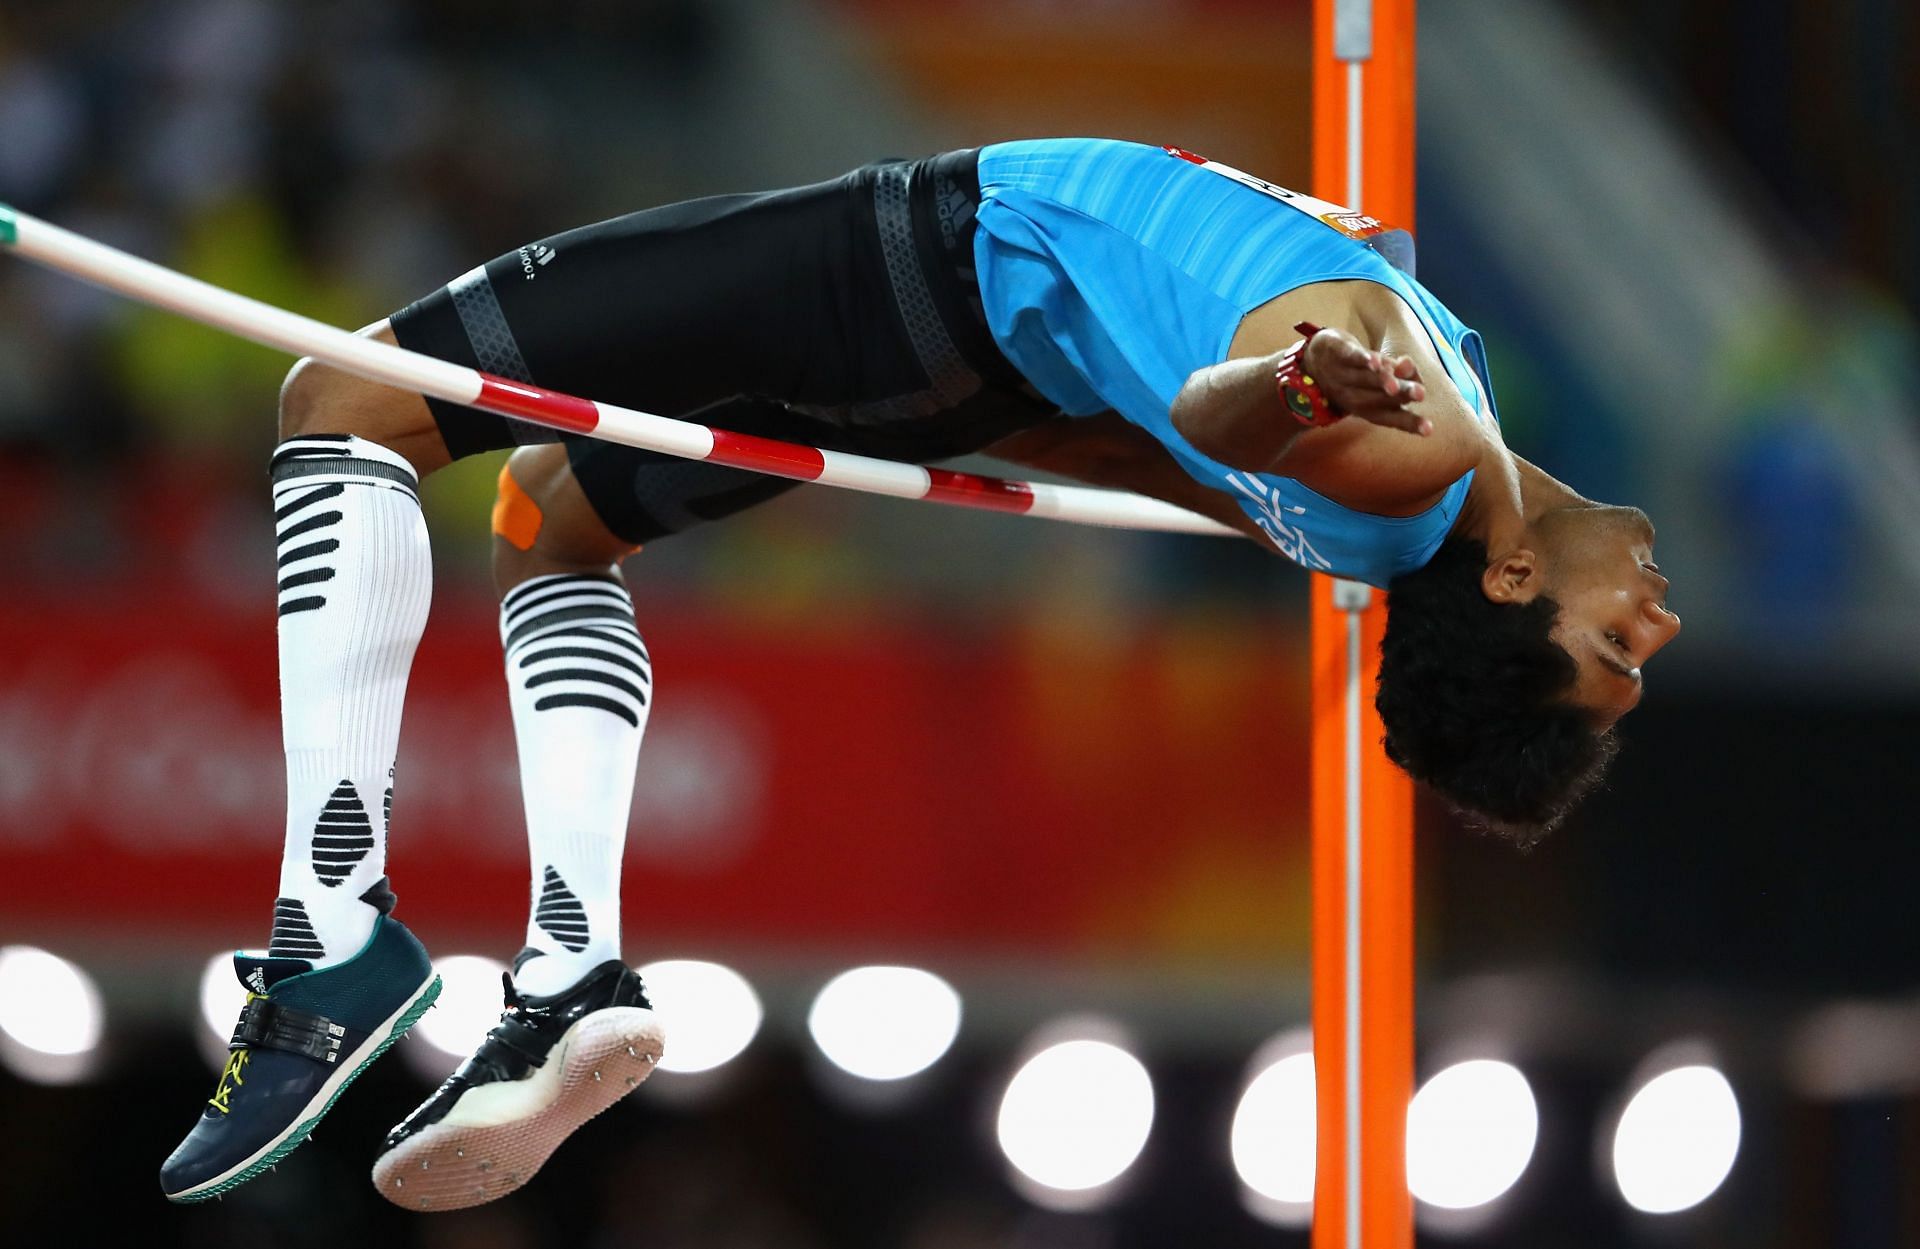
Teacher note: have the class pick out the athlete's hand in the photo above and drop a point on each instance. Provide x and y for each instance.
(1365, 383)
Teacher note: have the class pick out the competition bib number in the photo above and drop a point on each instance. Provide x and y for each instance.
(1394, 244)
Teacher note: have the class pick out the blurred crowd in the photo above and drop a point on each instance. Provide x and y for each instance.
(1797, 104)
(228, 139)
(341, 159)
(1815, 94)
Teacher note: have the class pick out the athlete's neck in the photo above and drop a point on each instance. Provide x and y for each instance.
(1507, 496)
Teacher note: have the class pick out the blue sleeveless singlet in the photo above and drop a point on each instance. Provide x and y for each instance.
(1110, 272)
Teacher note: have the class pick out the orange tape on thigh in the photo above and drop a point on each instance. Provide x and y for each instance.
(516, 517)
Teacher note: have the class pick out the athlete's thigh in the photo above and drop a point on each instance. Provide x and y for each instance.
(643, 496)
(541, 511)
(668, 310)
(674, 308)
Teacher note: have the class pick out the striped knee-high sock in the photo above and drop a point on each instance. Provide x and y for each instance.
(581, 684)
(355, 578)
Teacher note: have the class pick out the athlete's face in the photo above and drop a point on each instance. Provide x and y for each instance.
(1597, 563)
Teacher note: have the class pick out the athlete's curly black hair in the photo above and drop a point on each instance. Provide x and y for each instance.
(1472, 693)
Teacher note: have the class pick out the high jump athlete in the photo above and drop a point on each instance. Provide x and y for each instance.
(1129, 316)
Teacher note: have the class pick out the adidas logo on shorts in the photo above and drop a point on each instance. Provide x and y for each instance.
(537, 254)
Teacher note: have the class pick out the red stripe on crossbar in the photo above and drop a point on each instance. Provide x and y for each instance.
(988, 493)
(535, 403)
(764, 455)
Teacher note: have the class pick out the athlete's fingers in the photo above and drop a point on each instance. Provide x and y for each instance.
(1395, 418)
(1354, 376)
(1398, 377)
(1400, 391)
(1371, 384)
(1358, 362)
(1356, 370)
(1366, 400)
(1336, 351)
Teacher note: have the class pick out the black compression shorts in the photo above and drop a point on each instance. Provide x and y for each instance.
(843, 315)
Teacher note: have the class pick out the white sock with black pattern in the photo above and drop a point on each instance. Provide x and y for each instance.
(355, 580)
(581, 685)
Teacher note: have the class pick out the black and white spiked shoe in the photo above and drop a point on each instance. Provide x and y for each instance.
(548, 1066)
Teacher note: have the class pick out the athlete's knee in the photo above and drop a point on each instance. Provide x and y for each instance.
(304, 398)
(519, 519)
(317, 398)
(543, 522)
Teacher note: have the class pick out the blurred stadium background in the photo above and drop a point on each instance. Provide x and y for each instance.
(1687, 231)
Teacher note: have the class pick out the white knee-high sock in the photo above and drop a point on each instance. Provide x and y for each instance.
(581, 685)
(355, 580)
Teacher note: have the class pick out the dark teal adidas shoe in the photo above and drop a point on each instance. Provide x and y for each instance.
(302, 1038)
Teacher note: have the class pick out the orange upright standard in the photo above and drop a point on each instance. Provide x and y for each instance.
(1363, 110)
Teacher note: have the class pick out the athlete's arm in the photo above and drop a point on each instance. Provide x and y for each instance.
(1108, 450)
(1231, 411)
(1377, 362)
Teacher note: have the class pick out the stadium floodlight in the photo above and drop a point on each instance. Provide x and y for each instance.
(1677, 1140)
(1274, 1133)
(221, 997)
(469, 1005)
(1074, 1117)
(1470, 1134)
(885, 1023)
(709, 1011)
(51, 1016)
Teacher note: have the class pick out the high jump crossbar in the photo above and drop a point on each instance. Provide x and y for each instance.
(385, 363)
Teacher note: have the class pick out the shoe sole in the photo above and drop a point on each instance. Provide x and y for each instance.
(270, 1154)
(454, 1165)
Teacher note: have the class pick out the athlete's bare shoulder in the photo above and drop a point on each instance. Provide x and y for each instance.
(1360, 307)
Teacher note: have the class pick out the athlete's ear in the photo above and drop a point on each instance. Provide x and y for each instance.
(1512, 578)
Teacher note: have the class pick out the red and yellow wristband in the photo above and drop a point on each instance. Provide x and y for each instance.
(1302, 395)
